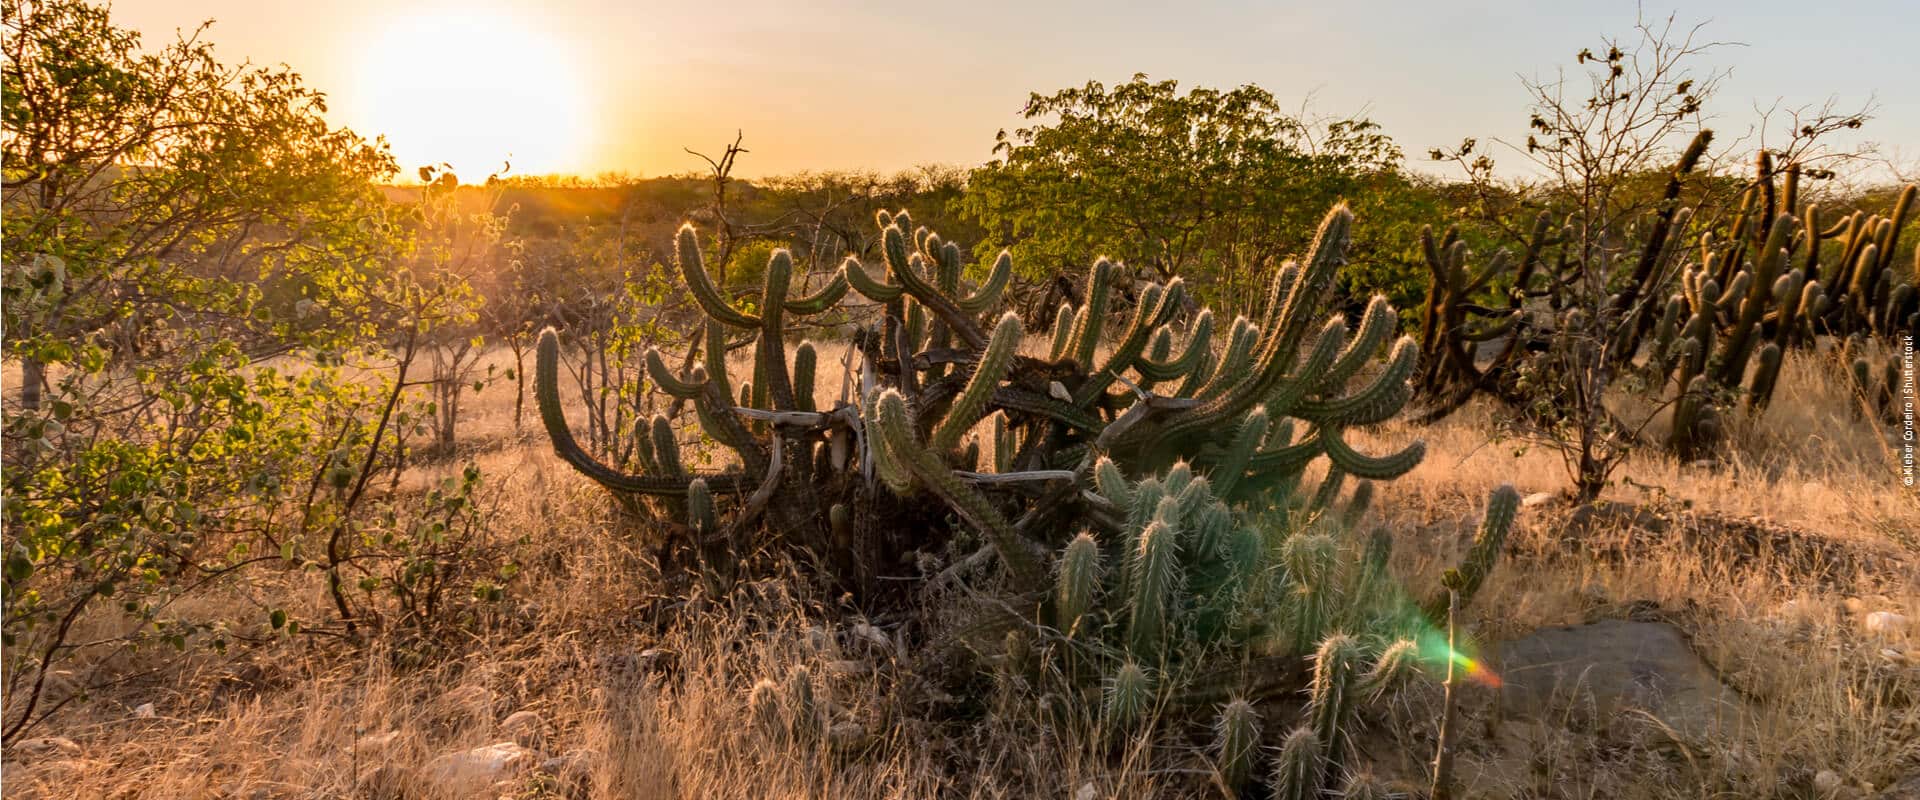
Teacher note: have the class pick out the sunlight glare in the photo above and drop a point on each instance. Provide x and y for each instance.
(474, 90)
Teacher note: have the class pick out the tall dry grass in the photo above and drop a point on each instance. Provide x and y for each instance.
(640, 694)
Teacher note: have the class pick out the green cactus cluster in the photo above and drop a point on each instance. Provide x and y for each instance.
(1780, 275)
(939, 377)
(1763, 289)
(1155, 494)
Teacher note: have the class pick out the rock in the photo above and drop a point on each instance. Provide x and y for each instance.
(848, 735)
(873, 635)
(469, 771)
(144, 711)
(574, 764)
(524, 726)
(45, 748)
(1826, 782)
(819, 639)
(1086, 792)
(1536, 499)
(1611, 667)
(847, 668)
(376, 742)
(1885, 623)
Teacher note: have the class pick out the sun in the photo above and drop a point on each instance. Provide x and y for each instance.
(475, 90)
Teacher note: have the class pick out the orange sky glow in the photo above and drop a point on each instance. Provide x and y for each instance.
(594, 86)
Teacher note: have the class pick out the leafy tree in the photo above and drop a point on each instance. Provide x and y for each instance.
(170, 224)
(1203, 184)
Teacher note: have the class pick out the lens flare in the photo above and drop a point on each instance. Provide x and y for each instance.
(1435, 650)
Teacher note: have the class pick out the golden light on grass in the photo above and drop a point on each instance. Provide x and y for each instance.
(476, 90)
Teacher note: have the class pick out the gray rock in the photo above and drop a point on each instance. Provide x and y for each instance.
(524, 727)
(45, 748)
(468, 771)
(1611, 668)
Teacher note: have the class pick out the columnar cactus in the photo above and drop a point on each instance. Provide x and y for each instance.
(1502, 506)
(1236, 743)
(1779, 275)
(1143, 397)
(1300, 769)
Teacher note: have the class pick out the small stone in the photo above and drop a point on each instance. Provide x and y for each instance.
(1059, 391)
(1826, 782)
(47, 747)
(1885, 623)
(1537, 498)
(847, 734)
(848, 668)
(463, 773)
(872, 634)
(143, 711)
(523, 726)
(377, 742)
(1086, 792)
(818, 638)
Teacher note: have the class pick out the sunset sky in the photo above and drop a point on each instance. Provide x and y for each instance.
(588, 86)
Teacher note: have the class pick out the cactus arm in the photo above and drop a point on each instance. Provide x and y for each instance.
(896, 432)
(1064, 320)
(1090, 324)
(775, 376)
(1379, 468)
(1502, 505)
(715, 356)
(973, 400)
(822, 300)
(686, 253)
(1268, 464)
(1377, 401)
(868, 286)
(1233, 466)
(988, 294)
(1289, 391)
(1376, 328)
(804, 366)
(665, 379)
(902, 268)
(1199, 348)
(546, 386)
(1156, 304)
(1077, 586)
(1154, 589)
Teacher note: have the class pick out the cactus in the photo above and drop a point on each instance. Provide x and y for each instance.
(1078, 582)
(1300, 769)
(1331, 695)
(1230, 419)
(767, 710)
(1781, 273)
(1155, 590)
(1142, 485)
(1236, 743)
(1128, 698)
(1396, 667)
(1502, 505)
(797, 695)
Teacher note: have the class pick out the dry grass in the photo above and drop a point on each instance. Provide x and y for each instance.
(651, 693)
